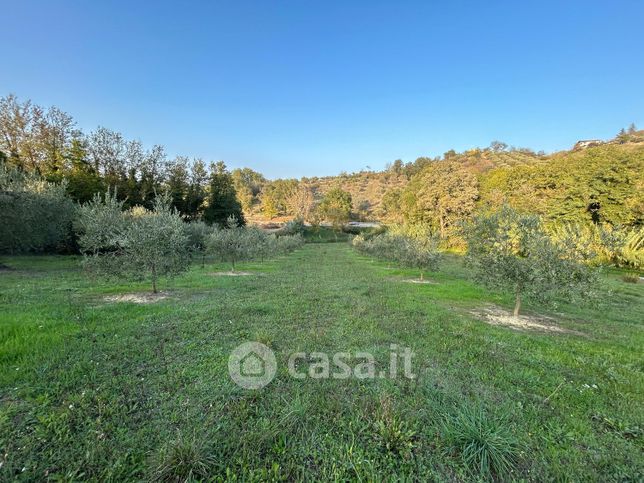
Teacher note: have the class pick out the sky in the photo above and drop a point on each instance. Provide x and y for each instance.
(313, 88)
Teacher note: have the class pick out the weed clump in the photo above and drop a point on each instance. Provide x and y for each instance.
(486, 445)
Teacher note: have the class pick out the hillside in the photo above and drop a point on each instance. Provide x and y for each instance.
(375, 194)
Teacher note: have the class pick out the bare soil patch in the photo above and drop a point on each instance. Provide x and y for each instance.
(497, 316)
(138, 298)
(417, 280)
(231, 274)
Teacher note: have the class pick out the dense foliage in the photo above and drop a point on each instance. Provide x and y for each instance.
(596, 186)
(47, 143)
(34, 214)
(513, 252)
(336, 207)
(222, 200)
(137, 243)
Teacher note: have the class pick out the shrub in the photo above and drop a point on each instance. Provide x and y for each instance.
(286, 244)
(138, 243)
(34, 214)
(631, 278)
(351, 230)
(622, 247)
(293, 227)
(485, 444)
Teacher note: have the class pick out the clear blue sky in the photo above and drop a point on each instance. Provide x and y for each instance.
(301, 88)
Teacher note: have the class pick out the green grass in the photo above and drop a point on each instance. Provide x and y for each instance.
(324, 234)
(103, 391)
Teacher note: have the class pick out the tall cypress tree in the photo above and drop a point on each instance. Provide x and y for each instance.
(222, 199)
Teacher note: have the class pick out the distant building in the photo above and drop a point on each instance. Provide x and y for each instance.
(588, 143)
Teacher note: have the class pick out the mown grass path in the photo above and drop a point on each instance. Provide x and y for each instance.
(96, 390)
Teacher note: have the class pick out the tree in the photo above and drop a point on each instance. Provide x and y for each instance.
(196, 195)
(248, 184)
(442, 194)
(498, 146)
(336, 207)
(512, 252)
(414, 247)
(417, 247)
(301, 202)
(83, 180)
(198, 232)
(177, 183)
(275, 197)
(222, 199)
(138, 243)
(18, 132)
(397, 167)
(153, 174)
(390, 207)
(55, 131)
(231, 243)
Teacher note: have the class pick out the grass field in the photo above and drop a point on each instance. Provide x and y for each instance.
(113, 391)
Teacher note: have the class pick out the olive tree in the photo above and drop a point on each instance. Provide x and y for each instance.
(421, 254)
(197, 233)
(512, 252)
(231, 243)
(288, 243)
(416, 249)
(138, 243)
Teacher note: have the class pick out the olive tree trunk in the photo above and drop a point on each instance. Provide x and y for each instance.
(154, 278)
(517, 304)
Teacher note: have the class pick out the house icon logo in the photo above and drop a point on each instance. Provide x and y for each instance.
(252, 365)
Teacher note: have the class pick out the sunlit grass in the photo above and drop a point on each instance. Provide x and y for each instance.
(98, 390)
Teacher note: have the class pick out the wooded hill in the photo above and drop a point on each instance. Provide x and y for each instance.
(595, 180)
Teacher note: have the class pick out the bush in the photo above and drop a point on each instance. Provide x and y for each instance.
(351, 229)
(137, 243)
(286, 244)
(35, 215)
(485, 444)
(293, 227)
(622, 247)
(631, 278)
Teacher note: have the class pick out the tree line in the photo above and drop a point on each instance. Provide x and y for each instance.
(602, 185)
(47, 143)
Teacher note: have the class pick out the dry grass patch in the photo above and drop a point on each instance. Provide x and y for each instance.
(231, 274)
(417, 280)
(494, 315)
(138, 298)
